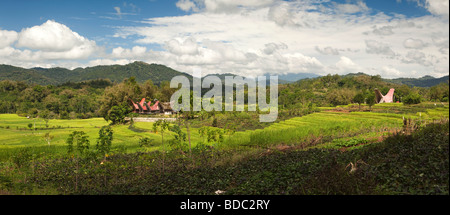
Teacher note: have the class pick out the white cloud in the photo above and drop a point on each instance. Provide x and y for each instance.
(255, 37)
(135, 52)
(109, 62)
(440, 40)
(438, 7)
(376, 47)
(390, 72)
(189, 46)
(346, 65)
(271, 48)
(53, 37)
(384, 31)
(47, 44)
(187, 5)
(360, 6)
(266, 38)
(327, 50)
(220, 6)
(7, 38)
(281, 14)
(418, 57)
(411, 43)
(118, 12)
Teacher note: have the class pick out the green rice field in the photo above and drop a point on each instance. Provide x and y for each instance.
(317, 128)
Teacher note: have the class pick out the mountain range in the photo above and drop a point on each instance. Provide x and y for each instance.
(157, 73)
(116, 73)
(425, 81)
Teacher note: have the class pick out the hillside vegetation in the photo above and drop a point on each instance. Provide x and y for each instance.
(115, 73)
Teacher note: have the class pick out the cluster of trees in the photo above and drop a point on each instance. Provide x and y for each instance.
(333, 90)
(103, 98)
(115, 101)
(97, 98)
(52, 101)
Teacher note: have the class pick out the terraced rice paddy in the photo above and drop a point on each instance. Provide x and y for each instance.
(310, 130)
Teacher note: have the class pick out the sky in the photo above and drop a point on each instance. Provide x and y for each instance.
(391, 38)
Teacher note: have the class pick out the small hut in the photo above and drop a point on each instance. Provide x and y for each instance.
(167, 108)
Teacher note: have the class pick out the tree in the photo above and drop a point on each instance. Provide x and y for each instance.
(52, 103)
(212, 134)
(179, 142)
(439, 92)
(161, 125)
(412, 98)
(340, 96)
(48, 138)
(80, 139)
(370, 100)
(45, 115)
(402, 91)
(119, 95)
(214, 123)
(184, 119)
(32, 113)
(117, 114)
(149, 90)
(104, 141)
(359, 98)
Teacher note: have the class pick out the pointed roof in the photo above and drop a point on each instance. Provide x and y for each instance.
(155, 107)
(144, 105)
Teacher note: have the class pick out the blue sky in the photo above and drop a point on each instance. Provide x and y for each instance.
(398, 38)
(93, 19)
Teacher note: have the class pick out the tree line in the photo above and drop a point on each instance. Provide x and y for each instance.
(103, 98)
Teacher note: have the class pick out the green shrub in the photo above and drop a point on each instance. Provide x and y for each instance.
(117, 114)
(412, 98)
(145, 142)
(22, 157)
(349, 143)
(80, 139)
(104, 141)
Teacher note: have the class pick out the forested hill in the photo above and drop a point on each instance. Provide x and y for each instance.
(426, 81)
(157, 73)
(116, 73)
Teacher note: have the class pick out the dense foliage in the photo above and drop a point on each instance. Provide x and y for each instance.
(103, 98)
(82, 100)
(333, 90)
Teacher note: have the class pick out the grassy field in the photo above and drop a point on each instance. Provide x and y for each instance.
(317, 128)
(317, 136)
(341, 122)
(15, 134)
